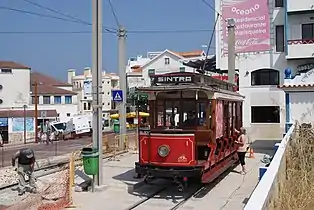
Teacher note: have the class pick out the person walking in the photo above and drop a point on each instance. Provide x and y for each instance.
(242, 148)
(1, 139)
(26, 161)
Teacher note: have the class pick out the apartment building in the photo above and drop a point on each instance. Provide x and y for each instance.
(82, 85)
(271, 36)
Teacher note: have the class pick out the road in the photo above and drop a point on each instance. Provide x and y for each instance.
(43, 151)
(56, 149)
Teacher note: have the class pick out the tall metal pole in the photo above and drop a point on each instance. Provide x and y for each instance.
(36, 111)
(123, 84)
(231, 50)
(97, 83)
(24, 106)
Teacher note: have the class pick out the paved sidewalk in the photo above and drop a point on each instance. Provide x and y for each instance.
(118, 193)
(232, 192)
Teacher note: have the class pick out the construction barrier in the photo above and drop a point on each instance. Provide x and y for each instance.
(56, 193)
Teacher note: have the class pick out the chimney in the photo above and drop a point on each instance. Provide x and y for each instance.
(87, 71)
(71, 74)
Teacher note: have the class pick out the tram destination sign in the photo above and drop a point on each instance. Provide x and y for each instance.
(173, 79)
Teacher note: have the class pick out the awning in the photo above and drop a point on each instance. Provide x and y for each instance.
(130, 115)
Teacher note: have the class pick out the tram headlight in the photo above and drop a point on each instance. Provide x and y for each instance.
(163, 150)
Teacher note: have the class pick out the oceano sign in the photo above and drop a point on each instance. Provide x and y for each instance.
(245, 11)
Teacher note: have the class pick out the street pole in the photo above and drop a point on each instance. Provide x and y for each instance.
(24, 106)
(123, 83)
(231, 50)
(97, 84)
(36, 111)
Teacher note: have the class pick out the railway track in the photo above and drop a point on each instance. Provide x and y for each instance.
(185, 196)
(194, 190)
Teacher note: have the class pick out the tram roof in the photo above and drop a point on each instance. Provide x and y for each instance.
(180, 87)
(188, 81)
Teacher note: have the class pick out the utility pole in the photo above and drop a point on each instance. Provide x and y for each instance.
(123, 84)
(231, 50)
(24, 108)
(97, 83)
(36, 110)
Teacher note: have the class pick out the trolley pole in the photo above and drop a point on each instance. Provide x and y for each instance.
(123, 84)
(97, 83)
(231, 50)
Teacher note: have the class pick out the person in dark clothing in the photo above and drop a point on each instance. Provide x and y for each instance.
(26, 161)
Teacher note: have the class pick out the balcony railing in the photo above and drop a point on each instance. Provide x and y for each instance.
(300, 41)
(300, 48)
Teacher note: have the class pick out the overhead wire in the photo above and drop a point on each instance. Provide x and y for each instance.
(56, 11)
(213, 8)
(87, 32)
(114, 13)
(77, 20)
(51, 16)
(210, 42)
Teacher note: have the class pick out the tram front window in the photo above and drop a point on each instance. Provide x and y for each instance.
(186, 114)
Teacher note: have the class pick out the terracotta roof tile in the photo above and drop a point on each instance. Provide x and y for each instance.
(12, 65)
(29, 113)
(47, 80)
(51, 90)
(190, 54)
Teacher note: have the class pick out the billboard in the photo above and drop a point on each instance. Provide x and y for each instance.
(87, 87)
(18, 124)
(252, 25)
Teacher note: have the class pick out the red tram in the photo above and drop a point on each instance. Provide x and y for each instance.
(192, 122)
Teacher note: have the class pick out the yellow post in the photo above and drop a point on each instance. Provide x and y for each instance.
(72, 170)
(126, 142)
(71, 180)
(116, 145)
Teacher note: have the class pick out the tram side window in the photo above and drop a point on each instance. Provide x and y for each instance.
(226, 117)
(202, 109)
(160, 114)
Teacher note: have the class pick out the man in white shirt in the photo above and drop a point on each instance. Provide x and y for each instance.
(1, 140)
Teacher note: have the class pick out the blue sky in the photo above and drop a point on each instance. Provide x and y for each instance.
(53, 54)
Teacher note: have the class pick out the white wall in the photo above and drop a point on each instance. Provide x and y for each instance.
(297, 5)
(16, 88)
(302, 106)
(62, 109)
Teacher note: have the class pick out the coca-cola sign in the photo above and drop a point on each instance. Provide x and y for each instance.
(251, 25)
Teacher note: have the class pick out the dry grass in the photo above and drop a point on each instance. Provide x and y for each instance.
(297, 190)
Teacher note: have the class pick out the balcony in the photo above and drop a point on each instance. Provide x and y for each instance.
(300, 6)
(300, 48)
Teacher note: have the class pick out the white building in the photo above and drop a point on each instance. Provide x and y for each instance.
(139, 69)
(17, 93)
(82, 85)
(270, 37)
(53, 95)
(14, 85)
